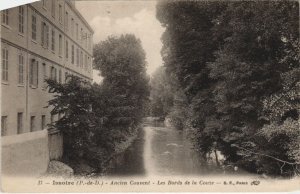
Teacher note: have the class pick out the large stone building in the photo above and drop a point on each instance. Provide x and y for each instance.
(45, 39)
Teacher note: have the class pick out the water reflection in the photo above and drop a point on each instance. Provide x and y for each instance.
(131, 162)
(160, 150)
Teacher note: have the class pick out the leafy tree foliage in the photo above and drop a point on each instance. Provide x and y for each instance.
(189, 45)
(73, 100)
(121, 62)
(161, 94)
(167, 100)
(231, 60)
(97, 117)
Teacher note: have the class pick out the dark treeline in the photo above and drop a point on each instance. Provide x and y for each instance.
(95, 118)
(233, 72)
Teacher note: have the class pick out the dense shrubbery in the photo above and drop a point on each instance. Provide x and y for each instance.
(237, 64)
(97, 117)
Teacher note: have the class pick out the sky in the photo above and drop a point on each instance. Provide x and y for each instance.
(121, 17)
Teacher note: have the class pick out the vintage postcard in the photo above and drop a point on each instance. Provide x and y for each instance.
(150, 96)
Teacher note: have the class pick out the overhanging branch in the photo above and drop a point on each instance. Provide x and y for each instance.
(266, 155)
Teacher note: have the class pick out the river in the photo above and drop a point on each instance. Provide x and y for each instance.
(160, 150)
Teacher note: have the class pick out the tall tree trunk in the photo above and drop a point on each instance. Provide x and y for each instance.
(216, 155)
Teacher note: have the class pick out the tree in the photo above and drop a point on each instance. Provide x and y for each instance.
(85, 125)
(248, 69)
(161, 94)
(121, 61)
(230, 57)
(73, 100)
(98, 117)
(281, 110)
(188, 45)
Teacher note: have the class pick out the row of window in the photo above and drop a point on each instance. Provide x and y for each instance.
(53, 7)
(45, 44)
(45, 29)
(33, 68)
(34, 126)
(84, 36)
(33, 71)
(6, 21)
(66, 23)
(5, 67)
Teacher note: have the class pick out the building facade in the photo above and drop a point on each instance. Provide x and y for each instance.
(45, 39)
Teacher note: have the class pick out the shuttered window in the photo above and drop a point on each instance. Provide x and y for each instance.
(72, 53)
(76, 31)
(34, 73)
(77, 56)
(53, 73)
(67, 21)
(44, 75)
(45, 35)
(4, 64)
(59, 76)
(53, 8)
(20, 122)
(81, 59)
(21, 19)
(21, 69)
(67, 49)
(85, 62)
(72, 26)
(5, 17)
(32, 123)
(3, 125)
(33, 27)
(53, 40)
(60, 13)
(43, 120)
(44, 3)
(60, 45)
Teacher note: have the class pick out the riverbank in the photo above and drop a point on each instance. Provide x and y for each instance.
(133, 155)
(98, 160)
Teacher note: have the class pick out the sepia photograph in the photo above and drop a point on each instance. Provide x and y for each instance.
(150, 96)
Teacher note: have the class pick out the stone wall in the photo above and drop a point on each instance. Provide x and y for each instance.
(25, 154)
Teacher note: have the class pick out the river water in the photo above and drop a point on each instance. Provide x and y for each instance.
(160, 151)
